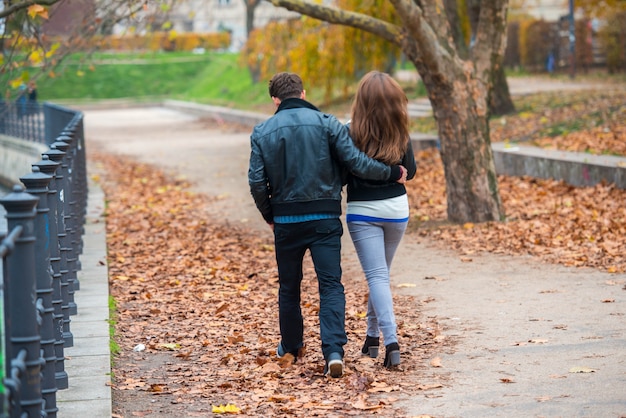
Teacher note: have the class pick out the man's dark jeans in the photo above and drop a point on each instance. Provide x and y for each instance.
(323, 239)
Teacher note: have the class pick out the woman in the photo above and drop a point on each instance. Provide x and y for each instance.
(378, 212)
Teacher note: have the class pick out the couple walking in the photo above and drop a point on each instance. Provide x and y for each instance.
(300, 159)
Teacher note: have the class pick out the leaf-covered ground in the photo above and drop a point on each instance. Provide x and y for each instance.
(574, 226)
(591, 121)
(581, 121)
(202, 298)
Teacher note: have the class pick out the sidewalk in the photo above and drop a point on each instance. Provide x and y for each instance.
(88, 362)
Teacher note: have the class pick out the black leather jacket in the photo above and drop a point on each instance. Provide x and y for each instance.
(296, 162)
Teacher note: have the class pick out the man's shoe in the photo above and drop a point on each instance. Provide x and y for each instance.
(281, 352)
(370, 346)
(334, 365)
(392, 355)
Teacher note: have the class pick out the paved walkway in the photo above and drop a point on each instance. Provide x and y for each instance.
(88, 362)
(531, 339)
(517, 86)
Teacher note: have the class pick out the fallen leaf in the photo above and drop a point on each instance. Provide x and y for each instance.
(225, 409)
(578, 369)
(221, 308)
(280, 398)
(170, 346)
(361, 404)
(429, 387)
(380, 387)
(407, 285)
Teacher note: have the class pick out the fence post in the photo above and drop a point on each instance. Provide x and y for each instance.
(57, 155)
(49, 167)
(4, 395)
(37, 185)
(72, 217)
(76, 131)
(25, 342)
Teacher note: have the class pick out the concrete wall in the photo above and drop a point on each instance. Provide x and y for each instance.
(223, 113)
(16, 158)
(575, 168)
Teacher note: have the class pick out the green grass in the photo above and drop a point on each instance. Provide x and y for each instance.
(563, 128)
(114, 348)
(214, 78)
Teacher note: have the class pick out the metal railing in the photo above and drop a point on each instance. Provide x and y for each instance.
(40, 260)
(23, 120)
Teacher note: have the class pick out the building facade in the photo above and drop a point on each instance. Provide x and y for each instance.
(548, 10)
(203, 16)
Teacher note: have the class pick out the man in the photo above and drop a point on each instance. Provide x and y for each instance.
(296, 160)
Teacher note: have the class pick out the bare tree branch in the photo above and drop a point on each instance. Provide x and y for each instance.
(385, 30)
(430, 51)
(11, 8)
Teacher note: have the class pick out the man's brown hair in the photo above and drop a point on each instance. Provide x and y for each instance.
(285, 85)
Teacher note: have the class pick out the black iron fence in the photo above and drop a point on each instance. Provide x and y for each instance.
(40, 260)
(23, 120)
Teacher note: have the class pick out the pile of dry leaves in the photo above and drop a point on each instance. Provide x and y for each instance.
(196, 319)
(582, 121)
(574, 226)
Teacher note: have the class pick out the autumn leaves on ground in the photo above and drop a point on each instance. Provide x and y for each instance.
(201, 296)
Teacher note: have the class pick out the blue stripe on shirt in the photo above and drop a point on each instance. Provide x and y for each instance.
(364, 218)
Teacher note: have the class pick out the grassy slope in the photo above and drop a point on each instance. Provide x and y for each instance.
(215, 78)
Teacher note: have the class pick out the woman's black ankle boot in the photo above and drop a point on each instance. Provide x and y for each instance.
(370, 347)
(392, 355)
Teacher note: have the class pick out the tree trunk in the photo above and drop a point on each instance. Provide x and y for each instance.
(249, 20)
(500, 102)
(251, 6)
(471, 180)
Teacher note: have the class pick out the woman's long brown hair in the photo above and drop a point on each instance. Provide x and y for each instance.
(380, 120)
